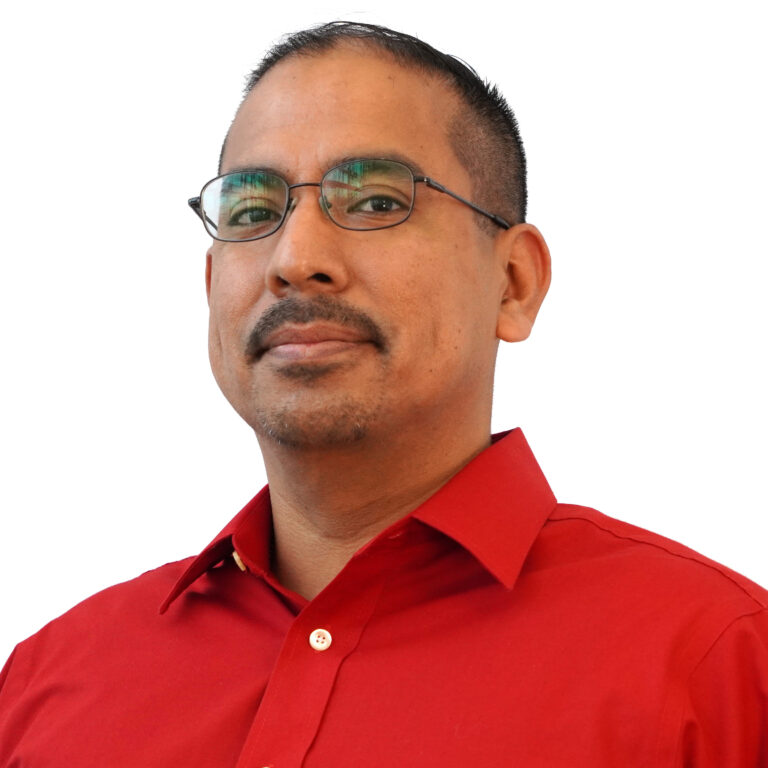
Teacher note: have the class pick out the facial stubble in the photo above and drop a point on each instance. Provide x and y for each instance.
(318, 410)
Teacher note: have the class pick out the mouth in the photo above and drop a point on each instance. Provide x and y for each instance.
(315, 341)
(298, 331)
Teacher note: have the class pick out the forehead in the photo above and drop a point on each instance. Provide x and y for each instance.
(308, 112)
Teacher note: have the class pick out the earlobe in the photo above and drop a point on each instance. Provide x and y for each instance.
(528, 273)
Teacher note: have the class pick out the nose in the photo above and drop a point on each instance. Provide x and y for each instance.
(309, 253)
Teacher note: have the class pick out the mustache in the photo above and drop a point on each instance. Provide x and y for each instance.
(292, 310)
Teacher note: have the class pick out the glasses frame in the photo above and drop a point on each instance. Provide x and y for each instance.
(195, 203)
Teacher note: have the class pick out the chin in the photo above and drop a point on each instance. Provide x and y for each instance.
(341, 424)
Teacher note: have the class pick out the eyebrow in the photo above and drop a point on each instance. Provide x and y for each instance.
(370, 155)
(383, 155)
(253, 169)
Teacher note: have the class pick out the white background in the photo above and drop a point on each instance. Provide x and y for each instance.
(642, 390)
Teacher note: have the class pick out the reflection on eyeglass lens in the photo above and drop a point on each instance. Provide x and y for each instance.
(249, 204)
(362, 194)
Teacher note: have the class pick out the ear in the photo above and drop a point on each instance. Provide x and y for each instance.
(528, 273)
(208, 260)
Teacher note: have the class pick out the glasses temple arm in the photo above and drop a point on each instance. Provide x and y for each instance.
(440, 188)
(194, 204)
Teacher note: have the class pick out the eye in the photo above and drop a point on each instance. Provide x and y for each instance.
(375, 199)
(377, 204)
(252, 212)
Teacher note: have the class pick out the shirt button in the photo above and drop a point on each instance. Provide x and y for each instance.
(320, 639)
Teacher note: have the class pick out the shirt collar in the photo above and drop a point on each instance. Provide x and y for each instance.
(494, 507)
(249, 533)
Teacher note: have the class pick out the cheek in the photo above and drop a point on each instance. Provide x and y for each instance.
(429, 309)
(228, 327)
(462, 322)
(407, 294)
(232, 301)
(232, 306)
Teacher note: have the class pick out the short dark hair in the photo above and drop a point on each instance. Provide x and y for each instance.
(486, 141)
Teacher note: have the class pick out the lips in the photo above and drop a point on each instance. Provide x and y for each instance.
(304, 329)
(310, 342)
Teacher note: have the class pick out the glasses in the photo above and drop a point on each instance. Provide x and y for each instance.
(361, 195)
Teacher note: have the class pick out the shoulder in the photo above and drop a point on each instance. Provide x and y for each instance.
(664, 563)
(109, 617)
(638, 584)
(672, 626)
(138, 596)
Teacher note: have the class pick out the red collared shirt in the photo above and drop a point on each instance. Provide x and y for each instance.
(491, 627)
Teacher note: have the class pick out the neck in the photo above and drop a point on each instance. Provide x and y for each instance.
(327, 502)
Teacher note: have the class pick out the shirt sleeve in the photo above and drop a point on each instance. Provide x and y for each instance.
(5, 737)
(726, 723)
(5, 670)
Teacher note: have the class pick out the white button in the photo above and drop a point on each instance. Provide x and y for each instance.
(320, 639)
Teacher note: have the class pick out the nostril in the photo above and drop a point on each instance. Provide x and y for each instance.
(321, 277)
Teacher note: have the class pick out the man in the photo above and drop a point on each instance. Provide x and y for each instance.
(407, 590)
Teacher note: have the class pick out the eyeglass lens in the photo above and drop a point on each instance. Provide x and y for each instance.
(362, 194)
(241, 206)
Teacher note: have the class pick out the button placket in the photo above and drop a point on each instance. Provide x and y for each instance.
(286, 725)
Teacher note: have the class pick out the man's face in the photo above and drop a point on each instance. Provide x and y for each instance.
(363, 333)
